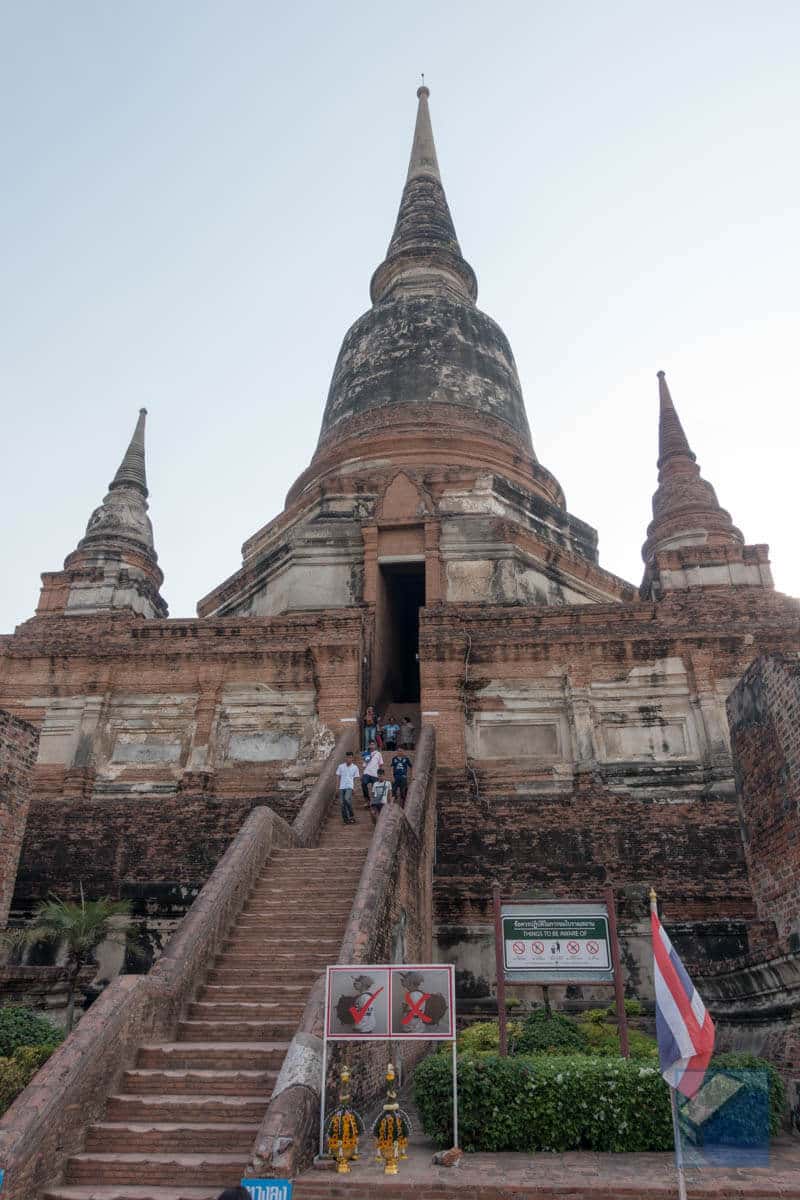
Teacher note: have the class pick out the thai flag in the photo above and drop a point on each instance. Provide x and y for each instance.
(685, 1030)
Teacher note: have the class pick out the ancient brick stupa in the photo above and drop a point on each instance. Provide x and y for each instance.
(425, 562)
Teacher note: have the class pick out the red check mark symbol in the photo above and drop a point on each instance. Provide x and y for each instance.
(415, 1007)
(358, 1013)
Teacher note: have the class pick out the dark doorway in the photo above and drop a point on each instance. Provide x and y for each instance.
(401, 595)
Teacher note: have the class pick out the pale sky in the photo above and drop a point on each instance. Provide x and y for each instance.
(195, 195)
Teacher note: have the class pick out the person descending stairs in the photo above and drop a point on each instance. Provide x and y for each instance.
(183, 1122)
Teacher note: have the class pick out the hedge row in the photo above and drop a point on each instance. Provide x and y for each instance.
(17, 1071)
(27, 1040)
(548, 1102)
(23, 1027)
(556, 1033)
(568, 1102)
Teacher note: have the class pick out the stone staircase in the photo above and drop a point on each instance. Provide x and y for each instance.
(184, 1120)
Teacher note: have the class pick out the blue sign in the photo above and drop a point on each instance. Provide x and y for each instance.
(2, 1176)
(269, 1189)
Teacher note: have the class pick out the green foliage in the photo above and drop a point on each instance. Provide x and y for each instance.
(543, 1034)
(17, 1071)
(546, 1102)
(742, 1067)
(484, 1037)
(594, 1016)
(24, 1027)
(602, 1041)
(633, 1008)
(78, 929)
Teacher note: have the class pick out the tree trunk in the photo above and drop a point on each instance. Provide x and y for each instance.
(72, 984)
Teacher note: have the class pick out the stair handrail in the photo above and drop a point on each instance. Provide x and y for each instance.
(308, 823)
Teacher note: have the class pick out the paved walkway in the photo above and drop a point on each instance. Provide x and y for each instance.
(573, 1176)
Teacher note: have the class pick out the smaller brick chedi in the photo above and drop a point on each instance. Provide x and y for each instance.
(424, 559)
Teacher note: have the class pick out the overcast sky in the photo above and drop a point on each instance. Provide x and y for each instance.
(196, 194)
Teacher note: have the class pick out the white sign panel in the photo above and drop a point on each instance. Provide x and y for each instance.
(550, 942)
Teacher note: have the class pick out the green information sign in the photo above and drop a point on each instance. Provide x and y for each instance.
(550, 943)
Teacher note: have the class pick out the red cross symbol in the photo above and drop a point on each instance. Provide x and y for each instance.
(573, 947)
(415, 1008)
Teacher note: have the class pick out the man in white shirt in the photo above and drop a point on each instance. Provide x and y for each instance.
(346, 776)
(373, 761)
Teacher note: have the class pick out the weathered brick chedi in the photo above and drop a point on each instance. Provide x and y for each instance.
(425, 559)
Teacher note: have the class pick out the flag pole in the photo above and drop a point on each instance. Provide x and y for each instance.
(673, 1103)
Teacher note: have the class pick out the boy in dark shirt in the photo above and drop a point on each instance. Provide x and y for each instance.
(401, 765)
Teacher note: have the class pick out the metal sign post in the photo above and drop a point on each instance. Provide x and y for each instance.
(501, 975)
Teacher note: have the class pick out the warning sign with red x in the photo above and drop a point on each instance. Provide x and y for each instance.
(389, 1001)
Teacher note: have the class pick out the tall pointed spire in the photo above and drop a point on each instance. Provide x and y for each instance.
(123, 513)
(115, 565)
(423, 149)
(131, 471)
(424, 256)
(691, 540)
(671, 438)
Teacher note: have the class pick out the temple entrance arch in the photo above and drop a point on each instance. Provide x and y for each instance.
(395, 658)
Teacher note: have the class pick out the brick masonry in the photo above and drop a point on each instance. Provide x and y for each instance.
(764, 712)
(755, 996)
(157, 738)
(19, 742)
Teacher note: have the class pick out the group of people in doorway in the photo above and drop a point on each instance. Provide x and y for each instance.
(387, 734)
(376, 789)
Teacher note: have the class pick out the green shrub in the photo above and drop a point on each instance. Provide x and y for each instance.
(594, 1016)
(17, 1071)
(24, 1027)
(742, 1066)
(553, 1034)
(633, 1008)
(484, 1037)
(547, 1102)
(603, 1042)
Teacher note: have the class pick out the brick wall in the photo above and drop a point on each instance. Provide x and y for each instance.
(157, 851)
(575, 845)
(764, 714)
(587, 747)
(198, 702)
(18, 746)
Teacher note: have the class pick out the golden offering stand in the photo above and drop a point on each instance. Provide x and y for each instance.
(391, 1128)
(344, 1128)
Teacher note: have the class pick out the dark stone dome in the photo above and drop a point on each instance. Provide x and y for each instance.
(426, 349)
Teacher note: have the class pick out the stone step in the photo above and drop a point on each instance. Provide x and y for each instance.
(217, 1170)
(313, 892)
(268, 912)
(255, 993)
(310, 854)
(287, 1009)
(215, 1110)
(129, 1191)
(268, 962)
(278, 976)
(199, 1081)
(331, 862)
(218, 1055)
(274, 941)
(110, 1137)
(273, 1030)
